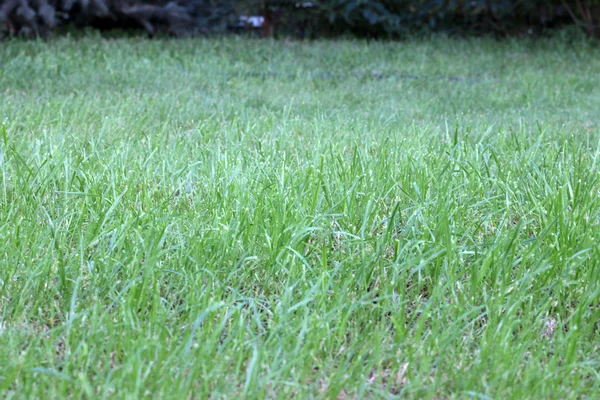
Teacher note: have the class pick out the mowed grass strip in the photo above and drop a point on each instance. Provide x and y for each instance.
(256, 219)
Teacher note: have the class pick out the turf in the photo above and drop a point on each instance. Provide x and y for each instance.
(235, 218)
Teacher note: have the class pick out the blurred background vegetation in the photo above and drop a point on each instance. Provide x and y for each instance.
(301, 18)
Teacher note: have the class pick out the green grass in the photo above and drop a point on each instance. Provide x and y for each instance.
(173, 225)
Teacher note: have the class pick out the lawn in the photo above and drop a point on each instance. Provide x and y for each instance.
(237, 218)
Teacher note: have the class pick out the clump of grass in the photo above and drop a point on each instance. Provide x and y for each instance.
(173, 225)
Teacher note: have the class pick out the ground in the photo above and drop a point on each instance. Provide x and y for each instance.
(242, 218)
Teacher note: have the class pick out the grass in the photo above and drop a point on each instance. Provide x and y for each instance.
(175, 223)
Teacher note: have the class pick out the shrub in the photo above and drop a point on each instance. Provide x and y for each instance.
(396, 17)
(363, 17)
(177, 17)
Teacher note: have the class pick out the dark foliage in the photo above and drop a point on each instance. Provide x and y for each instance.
(297, 17)
(176, 17)
(396, 17)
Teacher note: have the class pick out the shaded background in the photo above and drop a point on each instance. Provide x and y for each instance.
(300, 18)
